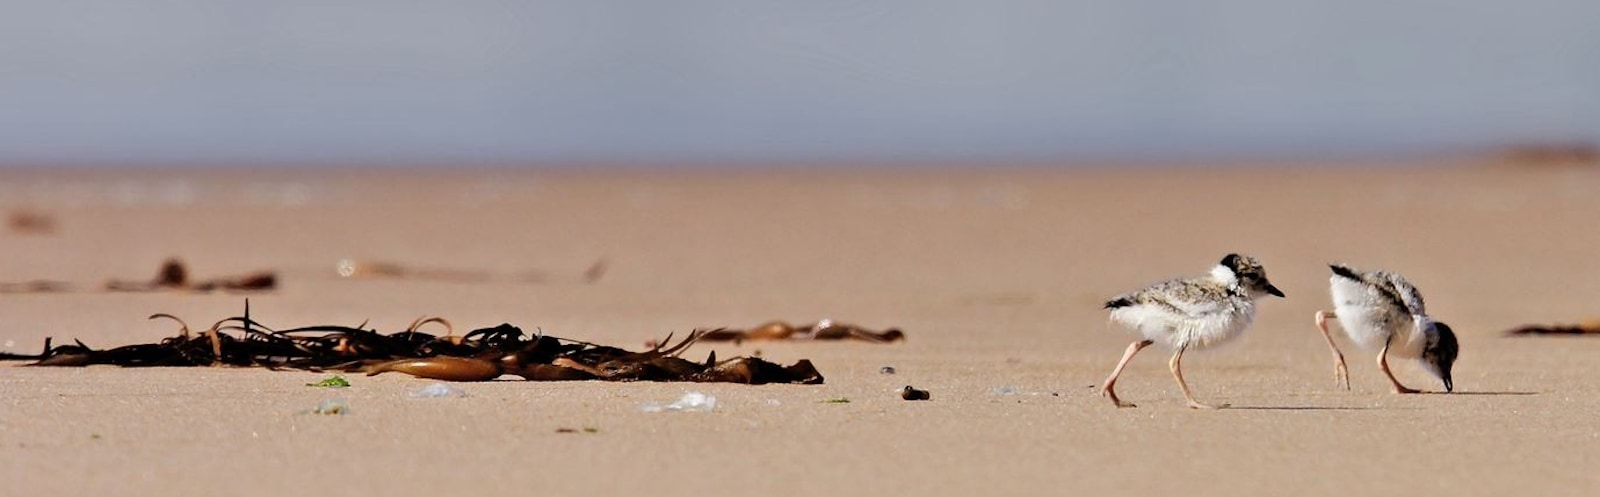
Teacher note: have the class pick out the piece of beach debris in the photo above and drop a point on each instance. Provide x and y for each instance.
(438, 391)
(826, 329)
(480, 355)
(1552, 153)
(586, 429)
(886, 370)
(334, 381)
(335, 407)
(35, 286)
(249, 282)
(837, 400)
(596, 271)
(358, 269)
(911, 393)
(174, 275)
(690, 402)
(1590, 327)
(442, 368)
(351, 268)
(27, 222)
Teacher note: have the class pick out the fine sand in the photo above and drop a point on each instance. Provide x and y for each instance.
(997, 278)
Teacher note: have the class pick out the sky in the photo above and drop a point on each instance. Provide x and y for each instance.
(222, 82)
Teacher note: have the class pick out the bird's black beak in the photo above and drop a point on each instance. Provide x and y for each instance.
(1274, 291)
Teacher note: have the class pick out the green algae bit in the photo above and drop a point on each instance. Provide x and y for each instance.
(334, 381)
(837, 400)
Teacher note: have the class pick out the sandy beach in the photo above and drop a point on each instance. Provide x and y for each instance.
(996, 275)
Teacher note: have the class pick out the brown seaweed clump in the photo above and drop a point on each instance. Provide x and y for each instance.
(35, 286)
(26, 222)
(1552, 154)
(1590, 327)
(358, 269)
(174, 275)
(826, 329)
(480, 355)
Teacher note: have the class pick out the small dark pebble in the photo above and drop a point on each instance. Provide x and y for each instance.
(911, 393)
(886, 370)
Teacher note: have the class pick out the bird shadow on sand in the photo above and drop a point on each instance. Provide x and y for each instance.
(1482, 393)
(1368, 408)
(1303, 408)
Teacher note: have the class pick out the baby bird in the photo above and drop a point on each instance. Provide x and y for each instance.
(1381, 310)
(1190, 314)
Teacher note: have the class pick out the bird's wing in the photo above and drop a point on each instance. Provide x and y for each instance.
(1185, 298)
(1407, 295)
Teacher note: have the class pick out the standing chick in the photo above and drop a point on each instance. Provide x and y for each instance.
(1190, 314)
(1381, 310)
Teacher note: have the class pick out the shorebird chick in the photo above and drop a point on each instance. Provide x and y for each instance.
(1190, 314)
(1381, 310)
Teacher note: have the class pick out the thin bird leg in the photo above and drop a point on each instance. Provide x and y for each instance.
(1109, 390)
(1383, 363)
(1177, 372)
(1341, 374)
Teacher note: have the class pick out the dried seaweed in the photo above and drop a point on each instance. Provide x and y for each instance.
(35, 286)
(27, 222)
(174, 275)
(479, 355)
(1552, 154)
(826, 329)
(357, 269)
(1591, 327)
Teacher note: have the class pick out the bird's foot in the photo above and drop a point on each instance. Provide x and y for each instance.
(1405, 390)
(1121, 404)
(1341, 377)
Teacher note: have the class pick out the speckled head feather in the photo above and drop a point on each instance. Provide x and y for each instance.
(1251, 275)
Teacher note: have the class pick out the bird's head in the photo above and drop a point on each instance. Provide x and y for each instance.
(1247, 273)
(1439, 356)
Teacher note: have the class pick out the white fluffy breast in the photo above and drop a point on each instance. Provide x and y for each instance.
(1203, 326)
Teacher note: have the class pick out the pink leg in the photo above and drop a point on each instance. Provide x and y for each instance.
(1341, 374)
(1383, 363)
(1109, 390)
(1177, 372)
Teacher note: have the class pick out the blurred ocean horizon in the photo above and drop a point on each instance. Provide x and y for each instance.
(363, 82)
